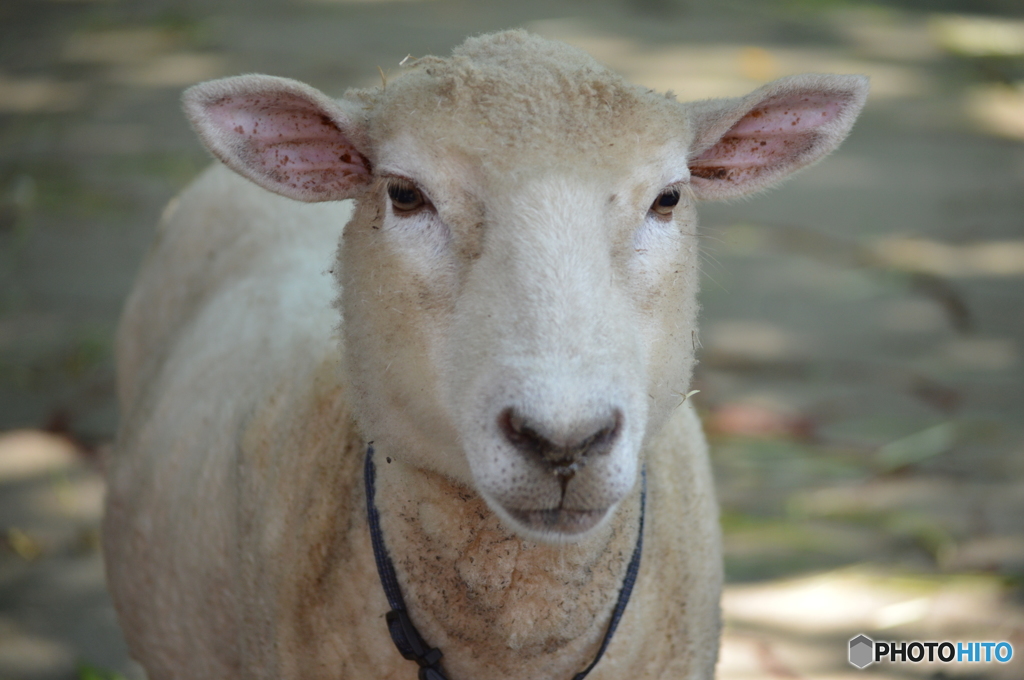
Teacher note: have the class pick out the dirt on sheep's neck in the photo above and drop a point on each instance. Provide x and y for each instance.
(498, 605)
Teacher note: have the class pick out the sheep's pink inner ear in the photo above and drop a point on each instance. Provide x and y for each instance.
(288, 145)
(772, 139)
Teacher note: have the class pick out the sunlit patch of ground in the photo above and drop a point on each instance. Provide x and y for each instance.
(729, 70)
(51, 497)
(144, 57)
(38, 94)
(800, 628)
(987, 258)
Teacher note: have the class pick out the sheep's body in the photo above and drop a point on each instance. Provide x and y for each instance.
(515, 349)
(234, 292)
(256, 311)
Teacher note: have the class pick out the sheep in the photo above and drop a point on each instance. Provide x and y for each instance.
(508, 329)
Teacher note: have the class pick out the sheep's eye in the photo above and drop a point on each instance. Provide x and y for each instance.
(405, 197)
(665, 202)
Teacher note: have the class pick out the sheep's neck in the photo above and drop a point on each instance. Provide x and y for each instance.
(498, 605)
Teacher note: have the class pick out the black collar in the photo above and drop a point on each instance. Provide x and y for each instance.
(404, 634)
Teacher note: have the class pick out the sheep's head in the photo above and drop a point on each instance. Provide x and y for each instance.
(520, 276)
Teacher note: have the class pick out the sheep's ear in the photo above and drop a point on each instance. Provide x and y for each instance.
(282, 134)
(744, 145)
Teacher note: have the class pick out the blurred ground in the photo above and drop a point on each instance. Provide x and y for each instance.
(861, 373)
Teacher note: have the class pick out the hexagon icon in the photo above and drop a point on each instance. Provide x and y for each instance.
(862, 651)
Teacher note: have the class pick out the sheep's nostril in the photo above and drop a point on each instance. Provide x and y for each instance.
(564, 450)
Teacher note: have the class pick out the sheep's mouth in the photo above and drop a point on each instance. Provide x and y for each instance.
(559, 520)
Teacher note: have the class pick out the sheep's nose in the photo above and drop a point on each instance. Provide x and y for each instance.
(564, 450)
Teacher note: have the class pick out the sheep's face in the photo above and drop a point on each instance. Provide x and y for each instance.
(523, 334)
(521, 287)
(519, 277)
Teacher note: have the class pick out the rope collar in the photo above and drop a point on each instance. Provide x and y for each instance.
(404, 634)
